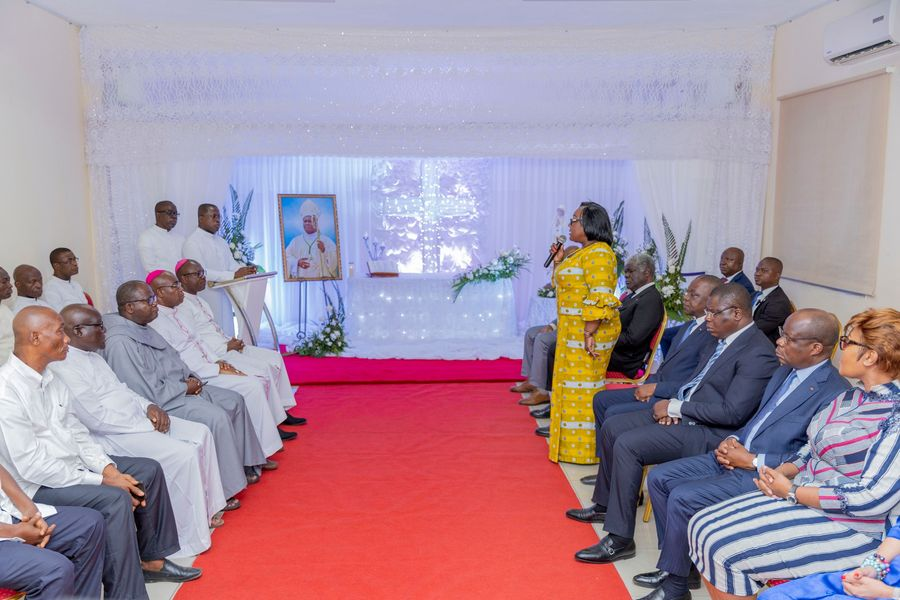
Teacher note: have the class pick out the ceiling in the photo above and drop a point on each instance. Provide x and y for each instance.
(434, 14)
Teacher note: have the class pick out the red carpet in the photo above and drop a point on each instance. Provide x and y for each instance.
(306, 370)
(407, 491)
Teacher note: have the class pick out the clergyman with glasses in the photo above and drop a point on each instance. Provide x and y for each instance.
(159, 246)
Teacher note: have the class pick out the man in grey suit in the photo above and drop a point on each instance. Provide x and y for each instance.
(143, 360)
(537, 364)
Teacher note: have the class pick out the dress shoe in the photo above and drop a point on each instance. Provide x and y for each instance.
(172, 572)
(286, 435)
(589, 480)
(592, 514)
(252, 478)
(232, 504)
(660, 594)
(654, 579)
(542, 431)
(292, 420)
(606, 551)
(270, 465)
(535, 398)
(541, 413)
(523, 387)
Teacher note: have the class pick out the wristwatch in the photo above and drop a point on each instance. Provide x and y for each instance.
(755, 462)
(792, 495)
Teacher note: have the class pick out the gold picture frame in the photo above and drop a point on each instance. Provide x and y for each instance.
(310, 237)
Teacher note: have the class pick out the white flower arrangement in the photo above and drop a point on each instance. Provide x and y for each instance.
(505, 266)
(671, 282)
(330, 340)
(548, 291)
(233, 229)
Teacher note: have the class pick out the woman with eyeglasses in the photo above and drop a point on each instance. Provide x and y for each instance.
(827, 507)
(587, 329)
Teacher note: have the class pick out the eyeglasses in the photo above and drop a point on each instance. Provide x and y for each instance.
(177, 284)
(574, 220)
(194, 274)
(846, 341)
(148, 300)
(100, 325)
(169, 213)
(791, 340)
(710, 314)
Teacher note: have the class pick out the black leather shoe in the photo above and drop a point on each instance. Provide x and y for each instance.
(654, 579)
(172, 572)
(286, 435)
(591, 514)
(542, 431)
(541, 413)
(292, 420)
(589, 480)
(606, 551)
(660, 594)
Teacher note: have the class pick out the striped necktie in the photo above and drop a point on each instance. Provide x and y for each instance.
(774, 402)
(687, 389)
(757, 300)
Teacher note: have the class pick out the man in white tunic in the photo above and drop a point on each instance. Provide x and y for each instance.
(29, 288)
(60, 290)
(207, 248)
(247, 358)
(127, 424)
(6, 317)
(159, 246)
(177, 328)
(311, 255)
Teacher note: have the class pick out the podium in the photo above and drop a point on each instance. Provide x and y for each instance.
(248, 296)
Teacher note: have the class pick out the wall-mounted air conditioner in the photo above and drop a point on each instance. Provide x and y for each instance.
(874, 29)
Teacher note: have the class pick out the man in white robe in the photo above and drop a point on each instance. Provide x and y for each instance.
(127, 424)
(311, 255)
(6, 317)
(247, 358)
(177, 328)
(29, 288)
(159, 247)
(61, 290)
(210, 250)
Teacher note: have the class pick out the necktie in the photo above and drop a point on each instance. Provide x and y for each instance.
(687, 389)
(757, 300)
(724, 280)
(689, 329)
(786, 388)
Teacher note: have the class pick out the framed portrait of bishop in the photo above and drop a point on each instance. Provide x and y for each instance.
(310, 238)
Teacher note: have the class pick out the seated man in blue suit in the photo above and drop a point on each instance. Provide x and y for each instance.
(806, 381)
(731, 264)
(720, 396)
(692, 340)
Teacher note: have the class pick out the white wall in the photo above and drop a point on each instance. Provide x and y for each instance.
(798, 65)
(43, 178)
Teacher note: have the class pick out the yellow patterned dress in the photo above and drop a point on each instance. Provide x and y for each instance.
(585, 291)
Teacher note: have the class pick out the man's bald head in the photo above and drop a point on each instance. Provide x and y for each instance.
(131, 291)
(39, 337)
(166, 214)
(84, 326)
(808, 337)
(208, 218)
(29, 281)
(768, 272)
(136, 302)
(697, 293)
(819, 325)
(731, 261)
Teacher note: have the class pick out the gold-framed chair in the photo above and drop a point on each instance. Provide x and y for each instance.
(620, 379)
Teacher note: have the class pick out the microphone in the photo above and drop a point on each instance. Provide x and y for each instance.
(560, 240)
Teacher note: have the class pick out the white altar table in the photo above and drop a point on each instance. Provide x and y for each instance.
(414, 316)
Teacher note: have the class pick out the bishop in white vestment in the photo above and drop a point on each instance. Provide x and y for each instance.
(311, 255)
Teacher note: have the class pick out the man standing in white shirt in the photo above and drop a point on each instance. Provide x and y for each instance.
(311, 255)
(248, 358)
(52, 457)
(177, 328)
(127, 424)
(6, 317)
(29, 288)
(210, 250)
(60, 291)
(159, 247)
(48, 552)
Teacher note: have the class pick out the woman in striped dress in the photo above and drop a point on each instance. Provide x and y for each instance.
(846, 487)
(587, 329)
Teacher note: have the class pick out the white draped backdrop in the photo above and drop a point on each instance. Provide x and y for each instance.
(670, 122)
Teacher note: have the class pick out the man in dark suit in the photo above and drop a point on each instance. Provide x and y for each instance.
(797, 391)
(720, 396)
(641, 313)
(771, 306)
(692, 341)
(731, 264)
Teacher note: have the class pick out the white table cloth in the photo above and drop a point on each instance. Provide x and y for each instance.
(540, 311)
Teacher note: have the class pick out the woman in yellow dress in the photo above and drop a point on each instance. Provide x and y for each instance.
(587, 329)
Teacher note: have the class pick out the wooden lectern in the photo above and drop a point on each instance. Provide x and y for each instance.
(248, 295)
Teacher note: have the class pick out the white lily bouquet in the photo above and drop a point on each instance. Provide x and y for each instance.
(330, 339)
(671, 283)
(505, 266)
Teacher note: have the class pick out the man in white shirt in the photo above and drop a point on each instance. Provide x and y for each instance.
(177, 328)
(311, 255)
(48, 552)
(250, 359)
(159, 247)
(6, 317)
(127, 424)
(60, 290)
(210, 250)
(52, 457)
(29, 287)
